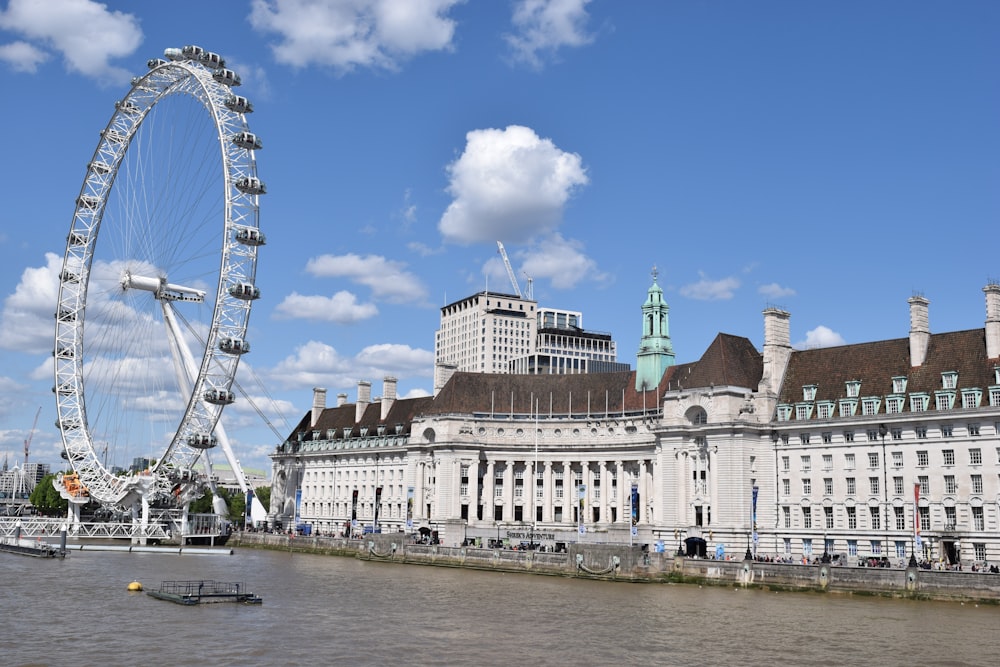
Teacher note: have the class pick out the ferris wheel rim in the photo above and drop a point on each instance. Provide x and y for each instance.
(235, 290)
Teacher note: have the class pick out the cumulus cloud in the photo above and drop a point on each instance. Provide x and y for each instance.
(509, 185)
(821, 336)
(558, 260)
(711, 290)
(26, 323)
(543, 26)
(342, 308)
(316, 364)
(775, 291)
(22, 57)
(345, 34)
(87, 34)
(388, 280)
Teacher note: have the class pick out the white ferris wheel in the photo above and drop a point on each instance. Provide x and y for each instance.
(157, 284)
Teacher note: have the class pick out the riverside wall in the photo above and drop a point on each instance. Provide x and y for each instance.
(625, 563)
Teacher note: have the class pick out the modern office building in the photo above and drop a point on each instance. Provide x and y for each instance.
(886, 449)
(563, 346)
(483, 333)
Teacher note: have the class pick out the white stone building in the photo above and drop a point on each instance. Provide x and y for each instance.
(784, 452)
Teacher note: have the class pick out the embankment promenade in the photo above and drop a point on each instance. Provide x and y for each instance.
(632, 564)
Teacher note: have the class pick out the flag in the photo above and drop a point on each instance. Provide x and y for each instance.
(916, 515)
(635, 504)
(409, 507)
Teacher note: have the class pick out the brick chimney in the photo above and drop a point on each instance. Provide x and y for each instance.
(319, 404)
(920, 330)
(388, 395)
(992, 320)
(364, 398)
(777, 349)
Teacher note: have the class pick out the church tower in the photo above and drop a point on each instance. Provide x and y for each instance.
(655, 351)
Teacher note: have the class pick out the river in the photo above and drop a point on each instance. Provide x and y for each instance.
(323, 610)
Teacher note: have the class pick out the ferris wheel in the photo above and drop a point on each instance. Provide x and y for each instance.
(158, 280)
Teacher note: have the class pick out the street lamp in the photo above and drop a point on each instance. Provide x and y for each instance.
(826, 553)
(749, 554)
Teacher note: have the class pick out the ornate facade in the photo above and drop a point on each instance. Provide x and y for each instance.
(882, 449)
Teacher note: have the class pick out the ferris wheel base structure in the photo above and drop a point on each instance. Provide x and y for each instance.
(165, 297)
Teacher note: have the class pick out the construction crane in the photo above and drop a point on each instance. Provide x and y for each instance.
(31, 434)
(510, 271)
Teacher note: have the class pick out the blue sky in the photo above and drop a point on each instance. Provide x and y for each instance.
(832, 159)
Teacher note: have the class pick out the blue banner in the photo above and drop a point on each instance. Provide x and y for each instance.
(635, 504)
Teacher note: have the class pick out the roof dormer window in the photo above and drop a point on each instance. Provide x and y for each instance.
(899, 384)
(853, 388)
(949, 380)
(809, 392)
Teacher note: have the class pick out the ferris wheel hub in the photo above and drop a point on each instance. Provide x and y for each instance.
(161, 289)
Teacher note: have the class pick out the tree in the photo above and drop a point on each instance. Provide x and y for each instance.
(46, 500)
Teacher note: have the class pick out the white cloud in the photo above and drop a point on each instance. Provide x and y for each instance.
(711, 290)
(558, 260)
(316, 364)
(545, 26)
(22, 57)
(348, 33)
(423, 249)
(26, 322)
(342, 308)
(387, 279)
(821, 336)
(87, 34)
(509, 185)
(775, 291)
(396, 360)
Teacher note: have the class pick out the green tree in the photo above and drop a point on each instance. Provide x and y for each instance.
(202, 505)
(263, 494)
(46, 500)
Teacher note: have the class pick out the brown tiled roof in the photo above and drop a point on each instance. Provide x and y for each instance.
(730, 361)
(875, 364)
(342, 417)
(502, 393)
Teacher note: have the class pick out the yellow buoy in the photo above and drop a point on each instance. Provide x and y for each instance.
(135, 586)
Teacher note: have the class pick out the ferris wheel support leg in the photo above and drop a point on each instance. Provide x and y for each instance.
(184, 368)
(140, 520)
(73, 517)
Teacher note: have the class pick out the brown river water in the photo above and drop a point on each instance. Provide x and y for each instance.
(323, 610)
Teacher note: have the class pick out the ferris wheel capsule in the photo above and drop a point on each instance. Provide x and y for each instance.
(192, 52)
(226, 77)
(250, 236)
(202, 441)
(247, 140)
(251, 185)
(239, 104)
(231, 345)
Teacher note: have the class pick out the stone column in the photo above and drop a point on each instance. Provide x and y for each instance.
(529, 490)
(683, 488)
(713, 487)
(547, 494)
(508, 492)
(420, 471)
(488, 493)
(643, 493)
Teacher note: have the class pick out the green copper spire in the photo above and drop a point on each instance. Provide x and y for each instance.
(655, 351)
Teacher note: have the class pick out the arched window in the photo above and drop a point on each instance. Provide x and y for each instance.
(697, 416)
